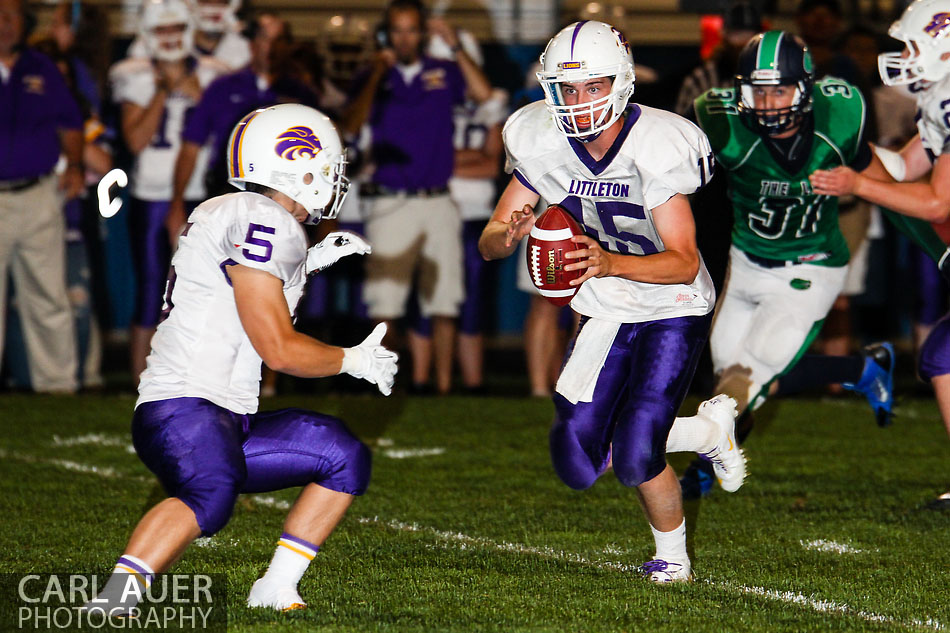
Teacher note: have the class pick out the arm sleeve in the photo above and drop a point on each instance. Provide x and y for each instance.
(683, 164)
(131, 86)
(264, 240)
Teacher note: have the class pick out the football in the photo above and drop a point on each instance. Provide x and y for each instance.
(549, 240)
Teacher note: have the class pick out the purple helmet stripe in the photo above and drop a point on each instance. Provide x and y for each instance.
(574, 36)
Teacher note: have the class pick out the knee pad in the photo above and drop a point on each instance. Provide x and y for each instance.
(935, 352)
(775, 340)
(639, 443)
(354, 478)
(353, 459)
(212, 502)
(572, 465)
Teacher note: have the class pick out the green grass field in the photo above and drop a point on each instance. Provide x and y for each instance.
(466, 528)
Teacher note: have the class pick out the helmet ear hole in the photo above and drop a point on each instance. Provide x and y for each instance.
(308, 179)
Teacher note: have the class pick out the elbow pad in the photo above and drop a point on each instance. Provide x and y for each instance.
(893, 162)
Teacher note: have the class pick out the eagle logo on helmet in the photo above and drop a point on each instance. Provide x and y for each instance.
(938, 24)
(298, 142)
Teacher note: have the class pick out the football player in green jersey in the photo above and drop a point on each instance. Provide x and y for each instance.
(788, 259)
(924, 64)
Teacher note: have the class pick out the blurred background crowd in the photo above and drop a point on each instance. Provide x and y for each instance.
(420, 94)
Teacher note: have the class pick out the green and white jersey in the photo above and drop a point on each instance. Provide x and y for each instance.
(777, 215)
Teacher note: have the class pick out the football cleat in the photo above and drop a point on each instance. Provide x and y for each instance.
(663, 571)
(279, 597)
(727, 459)
(940, 503)
(698, 479)
(877, 381)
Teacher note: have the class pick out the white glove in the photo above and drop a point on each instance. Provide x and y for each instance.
(371, 361)
(334, 247)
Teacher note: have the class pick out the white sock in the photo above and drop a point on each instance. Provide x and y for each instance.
(117, 594)
(694, 434)
(290, 561)
(671, 546)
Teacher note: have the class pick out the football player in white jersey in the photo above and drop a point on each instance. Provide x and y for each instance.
(240, 268)
(216, 33)
(645, 298)
(155, 94)
(924, 64)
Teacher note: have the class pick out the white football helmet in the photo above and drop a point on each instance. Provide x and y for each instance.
(294, 149)
(215, 16)
(168, 47)
(925, 30)
(586, 50)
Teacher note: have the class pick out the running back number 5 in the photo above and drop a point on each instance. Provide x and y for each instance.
(257, 237)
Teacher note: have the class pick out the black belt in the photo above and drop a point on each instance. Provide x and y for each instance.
(765, 262)
(17, 185)
(371, 189)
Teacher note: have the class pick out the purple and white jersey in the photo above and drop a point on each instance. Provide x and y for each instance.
(657, 155)
(475, 197)
(933, 110)
(133, 81)
(200, 349)
(232, 50)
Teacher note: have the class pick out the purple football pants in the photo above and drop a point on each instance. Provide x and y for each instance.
(151, 256)
(935, 352)
(206, 455)
(931, 301)
(641, 386)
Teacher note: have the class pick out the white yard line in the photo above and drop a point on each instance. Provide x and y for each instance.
(463, 541)
(821, 545)
(97, 439)
(403, 453)
(459, 540)
(101, 471)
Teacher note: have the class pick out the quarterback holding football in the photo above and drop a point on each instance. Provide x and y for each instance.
(623, 172)
(240, 268)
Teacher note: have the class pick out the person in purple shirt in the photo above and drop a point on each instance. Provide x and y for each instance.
(227, 99)
(408, 99)
(39, 122)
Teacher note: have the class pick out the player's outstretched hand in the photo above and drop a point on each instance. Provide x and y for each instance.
(520, 225)
(334, 247)
(371, 361)
(839, 181)
(591, 256)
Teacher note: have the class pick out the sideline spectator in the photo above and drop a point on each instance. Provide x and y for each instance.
(263, 82)
(39, 121)
(155, 94)
(478, 154)
(408, 99)
(741, 21)
(216, 34)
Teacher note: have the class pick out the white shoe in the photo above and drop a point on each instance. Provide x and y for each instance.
(279, 597)
(727, 458)
(663, 571)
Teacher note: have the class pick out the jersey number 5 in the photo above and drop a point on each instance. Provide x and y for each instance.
(260, 242)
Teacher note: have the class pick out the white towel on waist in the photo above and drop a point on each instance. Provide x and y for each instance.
(579, 376)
